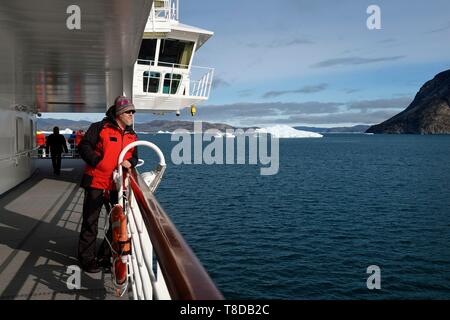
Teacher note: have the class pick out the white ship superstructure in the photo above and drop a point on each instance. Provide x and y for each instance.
(164, 78)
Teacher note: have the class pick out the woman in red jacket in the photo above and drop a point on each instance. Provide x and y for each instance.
(100, 149)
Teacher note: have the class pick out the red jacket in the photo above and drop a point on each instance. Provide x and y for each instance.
(40, 139)
(78, 136)
(100, 148)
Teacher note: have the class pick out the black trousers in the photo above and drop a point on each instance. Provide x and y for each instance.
(94, 199)
(56, 162)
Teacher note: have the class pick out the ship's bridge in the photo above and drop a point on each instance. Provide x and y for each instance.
(164, 78)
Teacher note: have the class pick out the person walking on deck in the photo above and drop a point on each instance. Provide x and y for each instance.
(56, 143)
(78, 137)
(100, 149)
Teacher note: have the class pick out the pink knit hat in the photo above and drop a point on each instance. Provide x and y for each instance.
(123, 104)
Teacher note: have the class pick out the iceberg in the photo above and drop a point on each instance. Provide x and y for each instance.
(65, 131)
(229, 135)
(220, 134)
(285, 131)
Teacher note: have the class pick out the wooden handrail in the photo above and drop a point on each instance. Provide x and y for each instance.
(185, 276)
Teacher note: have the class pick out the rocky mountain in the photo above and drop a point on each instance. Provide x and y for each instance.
(429, 113)
(170, 126)
(355, 129)
(150, 127)
(48, 124)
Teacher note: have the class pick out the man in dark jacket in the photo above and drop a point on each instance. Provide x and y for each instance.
(56, 143)
(100, 149)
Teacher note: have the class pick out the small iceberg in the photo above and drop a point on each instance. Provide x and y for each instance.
(220, 134)
(229, 135)
(65, 131)
(285, 131)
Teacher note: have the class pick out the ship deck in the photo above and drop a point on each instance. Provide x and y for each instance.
(40, 222)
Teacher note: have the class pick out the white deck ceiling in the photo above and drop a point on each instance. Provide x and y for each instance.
(44, 64)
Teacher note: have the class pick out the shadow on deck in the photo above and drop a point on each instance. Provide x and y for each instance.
(40, 222)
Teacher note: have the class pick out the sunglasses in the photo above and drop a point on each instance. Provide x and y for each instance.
(130, 112)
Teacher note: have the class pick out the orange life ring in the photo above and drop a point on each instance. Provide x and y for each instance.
(120, 243)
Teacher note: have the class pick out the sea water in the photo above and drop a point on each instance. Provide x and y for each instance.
(338, 205)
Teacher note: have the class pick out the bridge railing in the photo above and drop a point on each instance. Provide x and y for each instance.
(192, 81)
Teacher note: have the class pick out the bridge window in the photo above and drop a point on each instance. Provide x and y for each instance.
(147, 51)
(151, 81)
(176, 52)
(171, 83)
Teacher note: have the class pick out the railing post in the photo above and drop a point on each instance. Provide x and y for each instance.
(197, 88)
(171, 78)
(148, 79)
(140, 253)
(161, 284)
(205, 89)
(202, 85)
(210, 82)
(192, 87)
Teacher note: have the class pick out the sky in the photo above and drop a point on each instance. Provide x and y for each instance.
(313, 62)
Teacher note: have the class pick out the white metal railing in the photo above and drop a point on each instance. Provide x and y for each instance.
(161, 265)
(16, 156)
(195, 79)
(71, 153)
(160, 169)
(145, 283)
(164, 10)
(202, 87)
